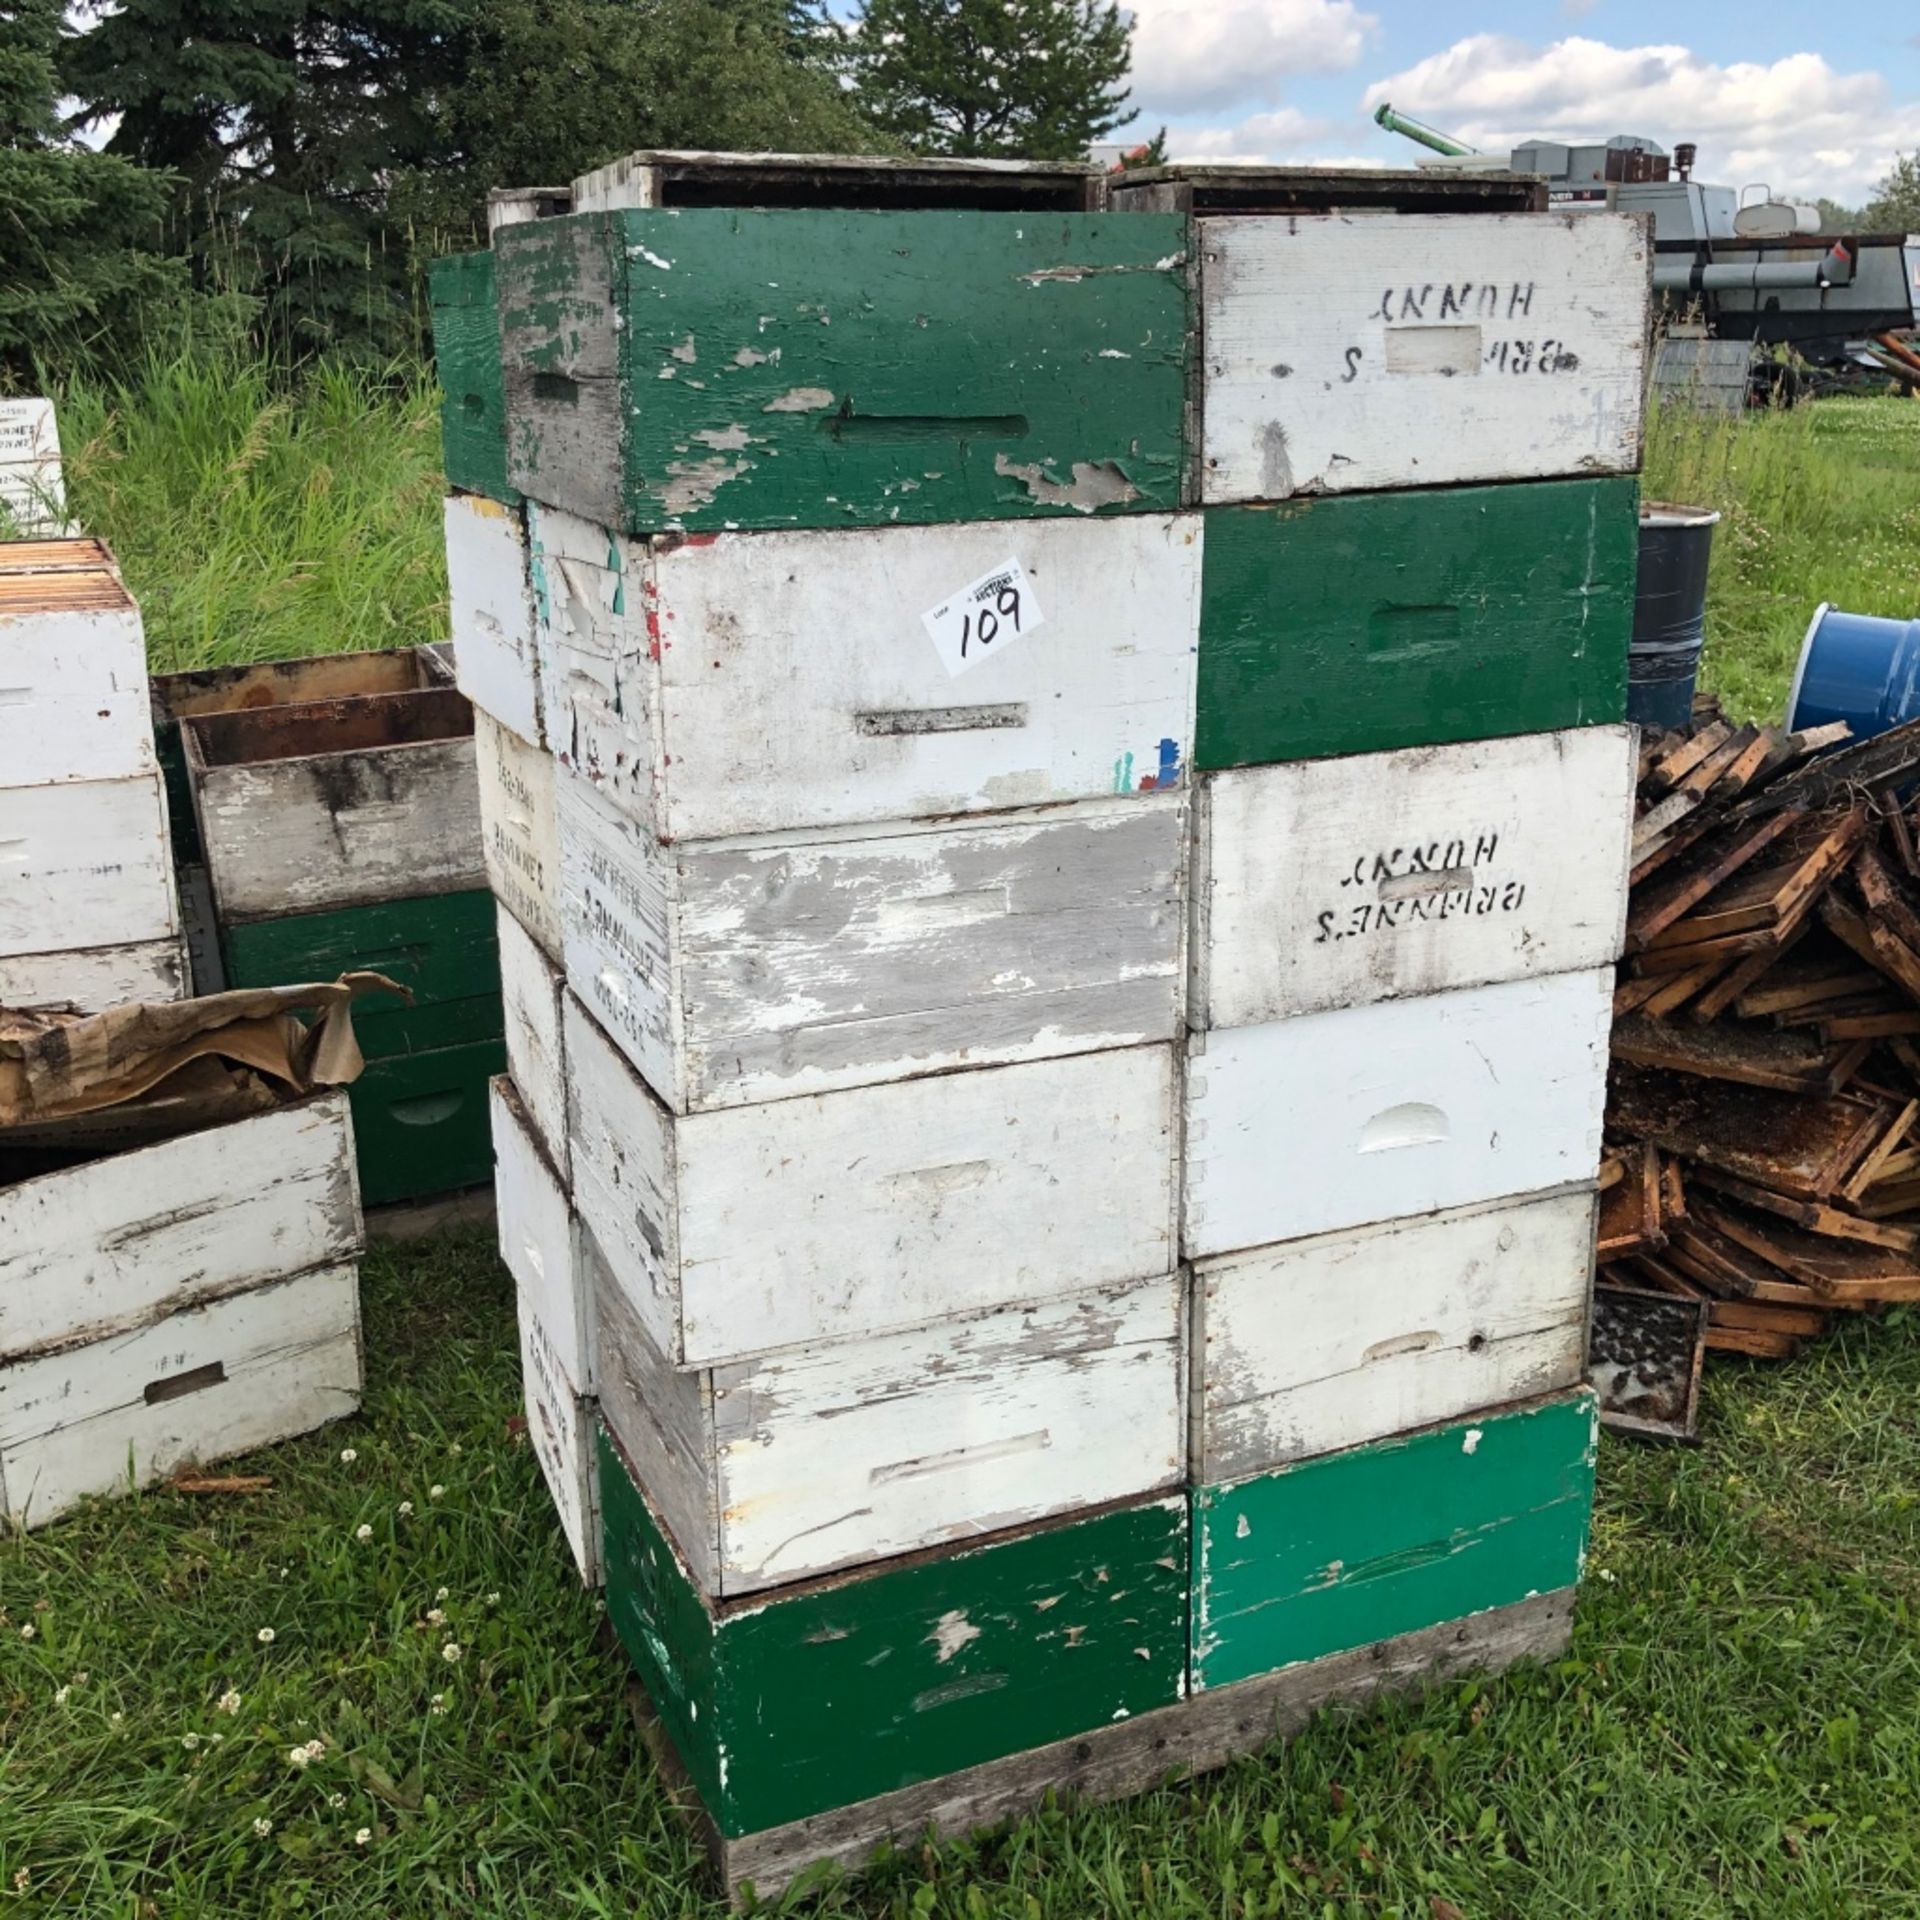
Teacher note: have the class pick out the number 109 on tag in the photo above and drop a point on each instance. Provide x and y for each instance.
(985, 618)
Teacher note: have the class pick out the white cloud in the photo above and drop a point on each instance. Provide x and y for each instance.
(1192, 55)
(1259, 138)
(1796, 124)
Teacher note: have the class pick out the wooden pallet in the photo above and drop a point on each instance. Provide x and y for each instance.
(1192, 1737)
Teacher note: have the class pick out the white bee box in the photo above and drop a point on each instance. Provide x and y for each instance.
(520, 833)
(215, 1379)
(95, 978)
(540, 1239)
(532, 990)
(560, 1425)
(1419, 350)
(753, 683)
(85, 866)
(490, 607)
(32, 489)
(1374, 1113)
(783, 1467)
(1335, 883)
(838, 1215)
(746, 970)
(1317, 1345)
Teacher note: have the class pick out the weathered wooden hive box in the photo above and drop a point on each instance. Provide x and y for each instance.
(174, 1302)
(342, 833)
(744, 347)
(87, 913)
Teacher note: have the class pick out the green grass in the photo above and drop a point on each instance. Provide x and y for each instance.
(1821, 503)
(1735, 1732)
(254, 523)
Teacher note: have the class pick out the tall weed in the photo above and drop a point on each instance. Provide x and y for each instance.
(258, 517)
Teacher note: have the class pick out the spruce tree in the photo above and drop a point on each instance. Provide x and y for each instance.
(81, 262)
(1895, 206)
(1015, 79)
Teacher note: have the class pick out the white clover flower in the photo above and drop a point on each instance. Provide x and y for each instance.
(299, 1757)
(363, 1533)
(116, 1719)
(348, 1456)
(22, 1881)
(336, 1801)
(440, 1593)
(435, 1491)
(28, 1631)
(216, 1738)
(81, 1678)
(493, 1599)
(438, 1704)
(406, 1507)
(262, 1827)
(436, 1617)
(189, 1741)
(316, 1749)
(455, 1448)
(361, 1838)
(266, 1636)
(60, 1695)
(229, 1702)
(453, 1653)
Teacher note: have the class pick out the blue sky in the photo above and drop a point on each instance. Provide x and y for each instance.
(1810, 100)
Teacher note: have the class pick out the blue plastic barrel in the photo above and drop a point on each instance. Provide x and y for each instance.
(1857, 668)
(1669, 612)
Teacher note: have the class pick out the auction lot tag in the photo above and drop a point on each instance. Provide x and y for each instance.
(984, 619)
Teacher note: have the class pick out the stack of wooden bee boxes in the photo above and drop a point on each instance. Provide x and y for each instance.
(843, 596)
(1410, 852)
(88, 915)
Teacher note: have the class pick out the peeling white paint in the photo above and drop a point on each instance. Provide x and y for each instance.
(1470, 1440)
(685, 352)
(801, 400)
(952, 1632)
(652, 259)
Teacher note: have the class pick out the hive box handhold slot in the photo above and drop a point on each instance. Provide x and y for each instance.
(706, 368)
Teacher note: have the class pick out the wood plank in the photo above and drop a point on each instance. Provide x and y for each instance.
(212, 1380)
(1816, 850)
(1755, 1344)
(833, 1216)
(542, 1242)
(490, 612)
(1630, 1210)
(1837, 1271)
(1789, 1060)
(1127, 1757)
(756, 684)
(1799, 1145)
(1691, 880)
(121, 1242)
(87, 866)
(1372, 394)
(1055, 383)
(1323, 884)
(1357, 1547)
(805, 1463)
(1452, 645)
(1815, 1218)
(1416, 1105)
(954, 1657)
(1332, 1342)
(95, 978)
(1687, 753)
(738, 971)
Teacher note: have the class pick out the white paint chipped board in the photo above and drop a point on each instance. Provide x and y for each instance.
(833, 1216)
(94, 978)
(1336, 883)
(520, 832)
(1419, 350)
(74, 701)
(540, 1239)
(763, 967)
(312, 808)
(560, 1425)
(1326, 1343)
(531, 991)
(490, 609)
(32, 488)
(1374, 1113)
(779, 1468)
(751, 683)
(128, 1239)
(209, 1381)
(85, 866)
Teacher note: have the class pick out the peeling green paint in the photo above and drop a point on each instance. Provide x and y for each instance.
(466, 351)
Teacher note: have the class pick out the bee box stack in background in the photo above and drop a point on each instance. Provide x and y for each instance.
(88, 915)
(1417, 435)
(334, 817)
(33, 498)
(833, 606)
